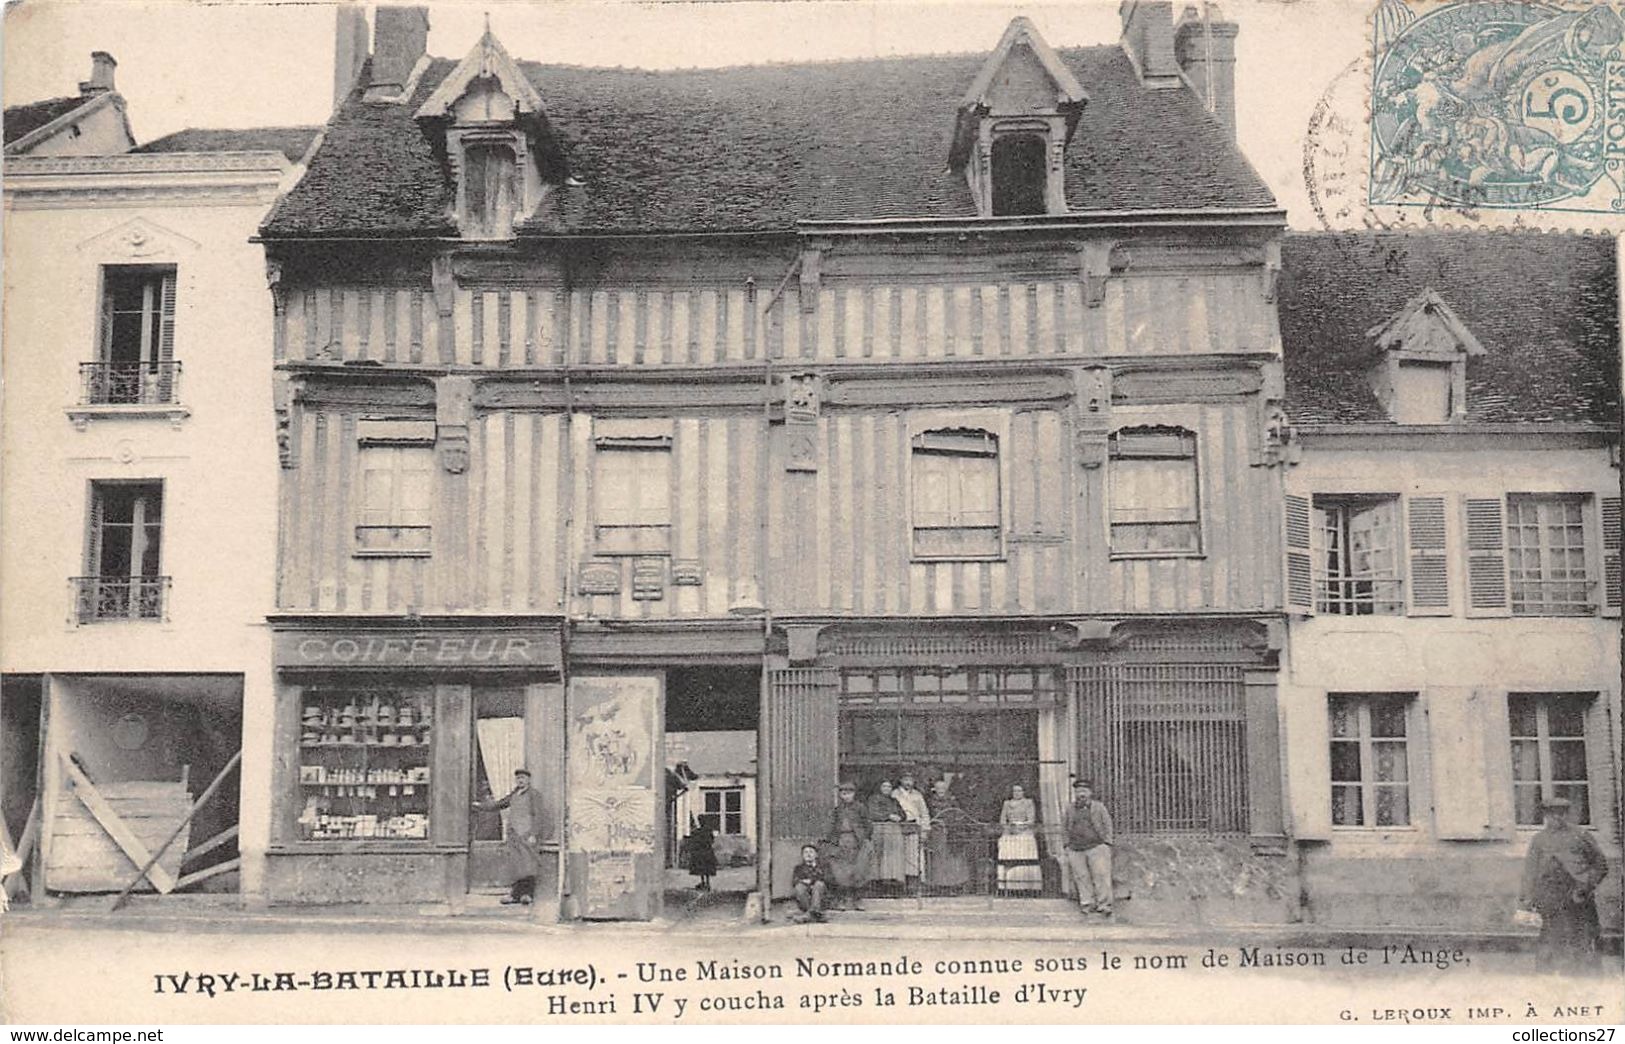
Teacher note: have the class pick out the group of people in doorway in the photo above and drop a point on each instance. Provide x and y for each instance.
(888, 837)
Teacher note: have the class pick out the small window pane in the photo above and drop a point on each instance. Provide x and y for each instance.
(1526, 804)
(1387, 718)
(1568, 759)
(1566, 717)
(1346, 762)
(1346, 806)
(1393, 806)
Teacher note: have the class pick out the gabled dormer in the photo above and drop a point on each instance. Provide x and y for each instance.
(1013, 126)
(500, 149)
(1420, 376)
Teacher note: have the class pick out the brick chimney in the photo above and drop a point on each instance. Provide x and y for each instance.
(349, 49)
(1206, 48)
(1148, 37)
(101, 74)
(400, 37)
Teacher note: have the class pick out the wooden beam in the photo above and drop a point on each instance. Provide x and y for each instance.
(24, 848)
(209, 871)
(152, 861)
(121, 834)
(210, 845)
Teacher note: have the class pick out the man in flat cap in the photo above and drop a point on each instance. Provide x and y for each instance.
(851, 847)
(1560, 876)
(523, 842)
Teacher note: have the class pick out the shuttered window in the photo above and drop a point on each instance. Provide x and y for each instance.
(1549, 754)
(135, 358)
(1483, 522)
(1426, 540)
(1610, 555)
(1357, 570)
(1300, 563)
(632, 495)
(956, 502)
(396, 505)
(1371, 777)
(1153, 492)
(123, 554)
(1546, 556)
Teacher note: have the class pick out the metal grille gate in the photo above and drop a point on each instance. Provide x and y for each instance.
(1165, 744)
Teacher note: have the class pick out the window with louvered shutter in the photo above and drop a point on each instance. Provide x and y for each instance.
(1153, 493)
(396, 504)
(632, 495)
(956, 504)
(1429, 560)
(1610, 555)
(136, 351)
(1357, 566)
(1483, 520)
(1299, 571)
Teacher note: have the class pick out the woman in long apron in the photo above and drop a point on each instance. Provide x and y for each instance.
(1019, 870)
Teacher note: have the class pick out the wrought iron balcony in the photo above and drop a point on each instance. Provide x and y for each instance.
(129, 383)
(102, 599)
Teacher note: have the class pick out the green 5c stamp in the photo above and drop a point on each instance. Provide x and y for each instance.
(1499, 104)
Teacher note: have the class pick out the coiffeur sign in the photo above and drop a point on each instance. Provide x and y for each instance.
(435, 648)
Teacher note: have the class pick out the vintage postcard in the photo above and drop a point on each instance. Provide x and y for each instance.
(698, 513)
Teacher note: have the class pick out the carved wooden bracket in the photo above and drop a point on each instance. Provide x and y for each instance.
(803, 402)
(445, 283)
(284, 394)
(454, 411)
(1095, 267)
(1272, 269)
(273, 281)
(803, 640)
(1091, 415)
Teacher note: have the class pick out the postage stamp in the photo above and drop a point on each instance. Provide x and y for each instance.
(1507, 105)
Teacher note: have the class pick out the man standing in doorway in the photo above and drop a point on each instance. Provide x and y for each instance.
(1089, 849)
(1560, 877)
(522, 838)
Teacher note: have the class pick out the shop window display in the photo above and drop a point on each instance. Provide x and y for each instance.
(364, 769)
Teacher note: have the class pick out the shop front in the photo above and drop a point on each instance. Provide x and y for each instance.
(387, 733)
(1173, 722)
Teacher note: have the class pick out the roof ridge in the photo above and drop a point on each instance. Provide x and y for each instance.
(791, 63)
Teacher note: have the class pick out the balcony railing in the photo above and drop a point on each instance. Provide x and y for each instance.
(102, 599)
(1360, 596)
(1532, 596)
(129, 383)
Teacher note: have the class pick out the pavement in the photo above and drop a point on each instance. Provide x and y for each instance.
(723, 913)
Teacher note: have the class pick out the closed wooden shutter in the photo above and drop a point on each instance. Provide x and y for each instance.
(1485, 525)
(1429, 589)
(802, 737)
(1300, 562)
(1307, 743)
(166, 327)
(1610, 556)
(1458, 734)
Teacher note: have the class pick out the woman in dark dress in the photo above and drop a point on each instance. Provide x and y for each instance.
(946, 865)
(702, 853)
(886, 816)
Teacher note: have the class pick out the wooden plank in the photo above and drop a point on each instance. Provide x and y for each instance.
(208, 872)
(115, 827)
(225, 836)
(180, 827)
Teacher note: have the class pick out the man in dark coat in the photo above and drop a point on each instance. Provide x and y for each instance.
(851, 849)
(526, 816)
(1560, 877)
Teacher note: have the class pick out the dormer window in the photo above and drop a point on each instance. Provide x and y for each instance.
(1420, 376)
(502, 151)
(1013, 125)
(488, 188)
(1020, 174)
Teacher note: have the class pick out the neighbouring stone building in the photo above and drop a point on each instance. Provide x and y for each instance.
(139, 462)
(1452, 536)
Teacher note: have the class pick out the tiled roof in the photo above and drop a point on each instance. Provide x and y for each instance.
(1545, 308)
(22, 120)
(759, 148)
(290, 141)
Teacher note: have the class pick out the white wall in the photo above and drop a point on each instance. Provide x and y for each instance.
(218, 465)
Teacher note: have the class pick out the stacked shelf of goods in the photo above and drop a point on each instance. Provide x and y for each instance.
(364, 766)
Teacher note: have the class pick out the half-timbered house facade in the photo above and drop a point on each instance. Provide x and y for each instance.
(928, 407)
